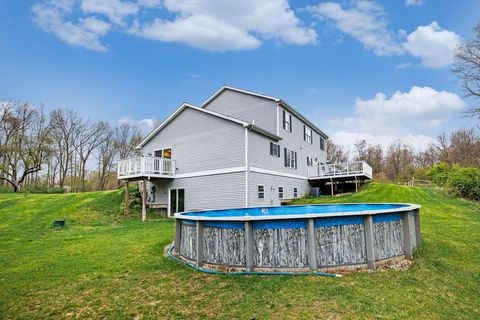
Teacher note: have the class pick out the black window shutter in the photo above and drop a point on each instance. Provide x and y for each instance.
(285, 157)
(284, 119)
(308, 161)
(295, 160)
(291, 124)
(271, 148)
(278, 150)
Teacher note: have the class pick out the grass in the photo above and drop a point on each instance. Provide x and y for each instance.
(103, 265)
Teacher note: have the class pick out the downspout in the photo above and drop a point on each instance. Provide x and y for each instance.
(247, 168)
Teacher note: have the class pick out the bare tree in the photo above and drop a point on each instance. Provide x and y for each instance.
(336, 153)
(372, 154)
(399, 161)
(25, 143)
(66, 126)
(127, 137)
(467, 68)
(107, 152)
(91, 136)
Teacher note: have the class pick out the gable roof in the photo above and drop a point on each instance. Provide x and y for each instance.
(211, 113)
(275, 99)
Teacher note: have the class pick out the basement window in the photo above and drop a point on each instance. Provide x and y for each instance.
(261, 191)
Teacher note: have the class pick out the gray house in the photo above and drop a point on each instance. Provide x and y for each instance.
(238, 149)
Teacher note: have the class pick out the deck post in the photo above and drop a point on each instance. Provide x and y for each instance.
(369, 242)
(125, 211)
(144, 199)
(418, 235)
(200, 243)
(312, 253)
(178, 236)
(331, 186)
(407, 241)
(356, 184)
(248, 246)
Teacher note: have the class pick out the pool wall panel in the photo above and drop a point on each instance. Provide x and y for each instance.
(388, 239)
(224, 246)
(284, 248)
(340, 245)
(188, 241)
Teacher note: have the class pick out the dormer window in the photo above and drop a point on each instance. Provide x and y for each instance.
(287, 121)
(307, 134)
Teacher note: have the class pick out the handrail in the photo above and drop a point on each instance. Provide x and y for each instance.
(341, 169)
(145, 166)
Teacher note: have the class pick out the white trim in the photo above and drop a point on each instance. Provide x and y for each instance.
(163, 148)
(247, 168)
(277, 173)
(203, 105)
(209, 172)
(278, 119)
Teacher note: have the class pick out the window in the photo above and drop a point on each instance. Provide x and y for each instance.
(274, 149)
(163, 153)
(290, 158)
(322, 144)
(280, 192)
(287, 121)
(295, 192)
(261, 191)
(309, 161)
(307, 134)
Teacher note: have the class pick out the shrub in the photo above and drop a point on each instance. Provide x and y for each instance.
(38, 188)
(463, 182)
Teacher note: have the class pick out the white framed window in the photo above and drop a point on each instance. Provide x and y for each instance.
(287, 121)
(322, 144)
(295, 192)
(163, 153)
(309, 162)
(261, 191)
(280, 192)
(274, 149)
(290, 158)
(307, 134)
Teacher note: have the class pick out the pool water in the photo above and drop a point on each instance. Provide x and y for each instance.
(296, 210)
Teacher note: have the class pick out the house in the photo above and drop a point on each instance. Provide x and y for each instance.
(238, 149)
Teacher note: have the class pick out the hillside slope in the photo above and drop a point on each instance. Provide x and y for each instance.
(106, 266)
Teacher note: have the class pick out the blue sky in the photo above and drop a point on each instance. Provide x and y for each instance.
(337, 62)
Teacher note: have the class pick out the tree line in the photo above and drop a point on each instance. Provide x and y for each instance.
(398, 162)
(60, 149)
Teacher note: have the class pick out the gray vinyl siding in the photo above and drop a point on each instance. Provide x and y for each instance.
(247, 108)
(272, 182)
(208, 192)
(200, 142)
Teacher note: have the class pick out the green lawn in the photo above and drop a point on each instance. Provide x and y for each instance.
(106, 266)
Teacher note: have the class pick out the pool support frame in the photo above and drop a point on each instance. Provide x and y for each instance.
(404, 223)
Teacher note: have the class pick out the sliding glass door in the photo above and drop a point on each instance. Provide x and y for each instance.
(176, 201)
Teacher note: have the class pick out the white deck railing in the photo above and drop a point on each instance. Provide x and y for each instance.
(145, 167)
(348, 169)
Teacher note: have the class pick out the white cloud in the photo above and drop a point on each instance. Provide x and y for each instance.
(227, 25)
(414, 2)
(145, 125)
(206, 24)
(85, 32)
(434, 46)
(115, 10)
(383, 120)
(364, 21)
(418, 142)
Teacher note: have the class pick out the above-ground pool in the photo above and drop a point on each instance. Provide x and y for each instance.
(299, 238)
